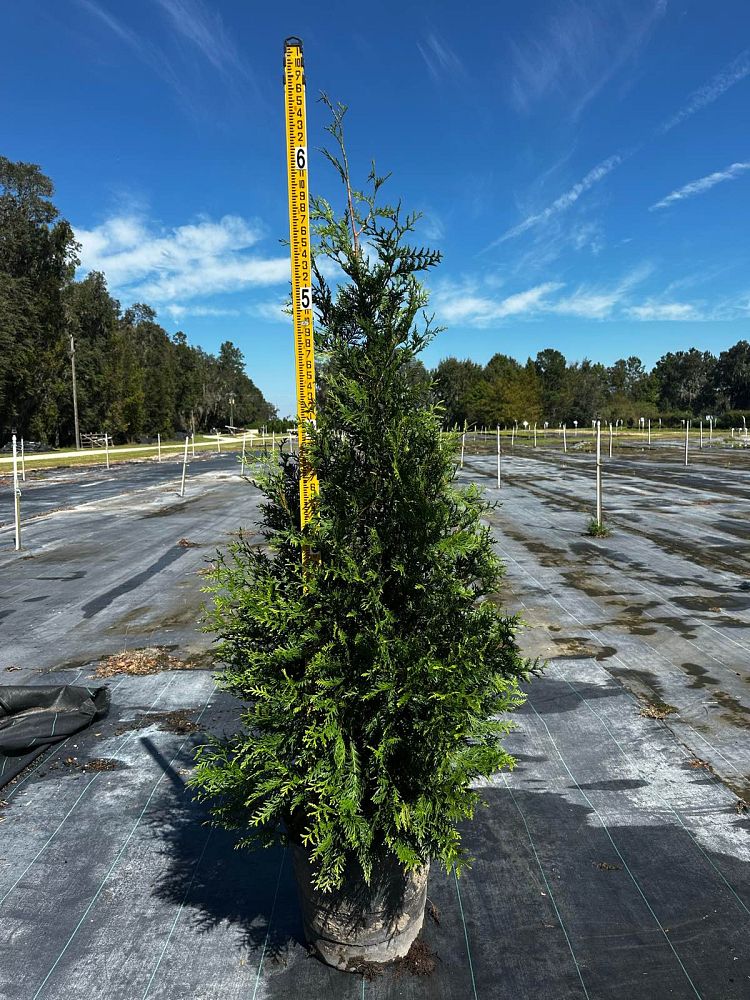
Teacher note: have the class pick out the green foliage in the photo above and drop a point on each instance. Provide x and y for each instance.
(684, 384)
(685, 379)
(507, 392)
(377, 681)
(597, 529)
(37, 257)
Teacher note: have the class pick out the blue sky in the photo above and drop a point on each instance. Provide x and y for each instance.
(584, 166)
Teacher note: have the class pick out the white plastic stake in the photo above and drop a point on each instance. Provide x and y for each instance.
(184, 468)
(535, 435)
(498, 456)
(23, 463)
(16, 496)
(710, 431)
(687, 439)
(610, 439)
(218, 444)
(242, 461)
(598, 472)
(193, 440)
(565, 439)
(649, 432)
(158, 447)
(273, 442)
(701, 444)
(106, 447)
(463, 442)
(513, 436)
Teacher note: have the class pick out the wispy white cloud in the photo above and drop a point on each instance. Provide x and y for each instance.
(474, 302)
(559, 238)
(464, 303)
(146, 261)
(702, 184)
(577, 50)
(178, 311)
(204, 29)
(147, 51)
(271, 310)
(736, 71)
(431, 226)
(663, 311)
(471, 302)
(598, 302)
(587, 304)
(565, 201)
(440, 59)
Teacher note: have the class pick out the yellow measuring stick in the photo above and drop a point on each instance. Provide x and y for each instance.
(299, 233)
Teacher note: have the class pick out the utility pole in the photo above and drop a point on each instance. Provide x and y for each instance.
(75, 397)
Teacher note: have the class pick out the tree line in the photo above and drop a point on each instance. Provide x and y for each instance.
(681, 385)
(133, 380)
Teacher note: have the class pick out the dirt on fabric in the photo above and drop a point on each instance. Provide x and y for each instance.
(657, 710)
(97, 764)
(148, 660)
(419, 961)
(179, 721)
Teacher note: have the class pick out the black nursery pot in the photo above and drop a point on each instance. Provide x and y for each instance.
(358, 923)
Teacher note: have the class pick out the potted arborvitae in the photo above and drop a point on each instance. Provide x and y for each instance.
(377, 679)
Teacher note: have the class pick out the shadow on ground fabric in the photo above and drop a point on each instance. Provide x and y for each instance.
(583, 921)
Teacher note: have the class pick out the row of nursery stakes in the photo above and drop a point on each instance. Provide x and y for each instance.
(596, 433)
(255, 440)
(20, 458)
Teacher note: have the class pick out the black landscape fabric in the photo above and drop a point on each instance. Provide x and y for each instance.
(34, 717)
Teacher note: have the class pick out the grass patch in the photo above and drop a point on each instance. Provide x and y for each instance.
(597, 529)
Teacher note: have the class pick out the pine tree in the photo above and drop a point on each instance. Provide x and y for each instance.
(377, 679)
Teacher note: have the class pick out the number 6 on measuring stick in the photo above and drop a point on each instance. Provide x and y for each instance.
(300, 157)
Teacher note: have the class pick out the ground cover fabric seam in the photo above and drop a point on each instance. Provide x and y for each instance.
(619, 854)
(549, 888)
(119, 853)
(177, 915)
(270, 919)
(466, 936)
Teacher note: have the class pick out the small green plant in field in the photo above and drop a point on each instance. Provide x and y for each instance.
(597, 529)
(376, 681)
